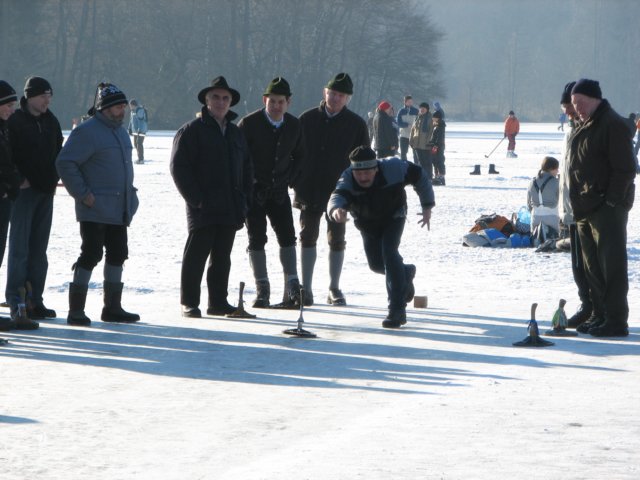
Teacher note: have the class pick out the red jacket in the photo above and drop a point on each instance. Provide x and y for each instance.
(511, 126)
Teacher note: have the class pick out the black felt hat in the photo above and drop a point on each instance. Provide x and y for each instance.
(278, 86)
(341, 83)
(219, 82)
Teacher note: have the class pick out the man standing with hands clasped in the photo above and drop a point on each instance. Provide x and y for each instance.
(373, 191)
(330, 131)
(602, 169)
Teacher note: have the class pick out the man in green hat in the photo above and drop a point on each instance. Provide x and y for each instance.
(331, 131)
(275, 142)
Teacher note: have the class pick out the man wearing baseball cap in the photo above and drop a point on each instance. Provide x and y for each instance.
(601, 190)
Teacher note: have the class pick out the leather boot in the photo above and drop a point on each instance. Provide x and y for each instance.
(112, 310)
(263, 293)
(77, 301)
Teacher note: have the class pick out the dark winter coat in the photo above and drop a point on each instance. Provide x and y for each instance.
(212, 171)
(385, 134)
(35, 143)
(96, 159)
(436, 139)
(602, 164)
(386, 199)
(276, 153)
(9, 177)
(420, 131)
(328, 142)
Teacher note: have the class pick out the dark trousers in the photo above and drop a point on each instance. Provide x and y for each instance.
(512, 142)
(603, 236)
(31, 217)
(5, 215)
(278, 210)
(577, 267)
(404, 147)
(381, 248)
(138, 144)
(438, 163)
(99, 237)
(214, 242)
(425, 160)
(310, 229)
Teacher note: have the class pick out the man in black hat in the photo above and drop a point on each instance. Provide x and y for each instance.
(211, 167)
(331, 131)
(374, 192)
(36, 139)
(601, 189)
(275, 142)
(96, 168)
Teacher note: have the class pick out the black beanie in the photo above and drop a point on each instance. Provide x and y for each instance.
(7, 93)
(566, 93)
(362, 158)
(109, 95)
(590, 88)
(36, 86)
(341, 83)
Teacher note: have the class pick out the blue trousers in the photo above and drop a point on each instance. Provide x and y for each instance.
(381, 245)
(28, 241)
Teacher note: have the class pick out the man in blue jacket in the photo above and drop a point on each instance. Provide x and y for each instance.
(211, 167)
(138, 127)
(95, 166)
(406, 117)
(374, 192)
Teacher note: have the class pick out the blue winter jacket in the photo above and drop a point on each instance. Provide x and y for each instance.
(386, 199)
(139, 122)
(97, 159)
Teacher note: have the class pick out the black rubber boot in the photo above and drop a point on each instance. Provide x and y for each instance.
(112, 310)
(263, 292)
(476, 170)
(492, 169)
(77, 301)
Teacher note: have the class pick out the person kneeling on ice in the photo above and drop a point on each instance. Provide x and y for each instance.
(96, 169)
(373, 191)
(542, 201)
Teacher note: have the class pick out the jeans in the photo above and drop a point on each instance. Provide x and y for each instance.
(138, 144)
(381, 248)
(28, 241)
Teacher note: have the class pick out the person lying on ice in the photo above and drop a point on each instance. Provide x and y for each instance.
(373, 191)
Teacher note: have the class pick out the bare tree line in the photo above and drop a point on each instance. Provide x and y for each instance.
(163, 52)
